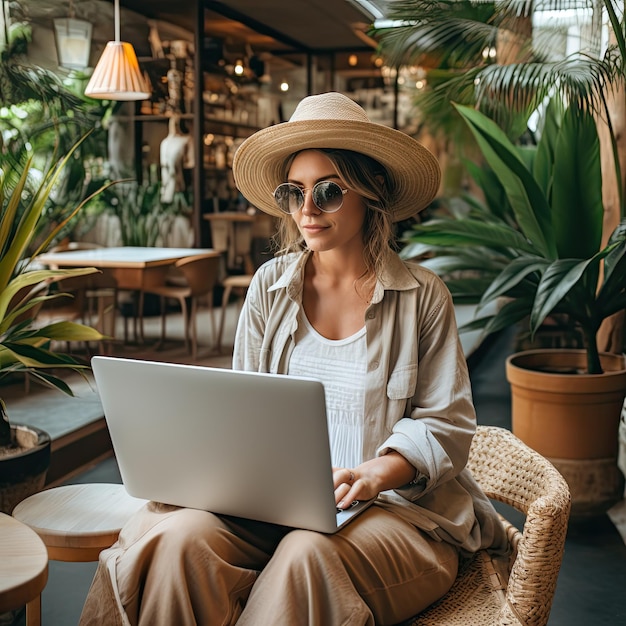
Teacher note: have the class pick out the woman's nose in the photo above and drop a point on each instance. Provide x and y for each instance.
(309, 207)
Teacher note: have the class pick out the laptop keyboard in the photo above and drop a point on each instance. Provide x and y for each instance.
(352, 505)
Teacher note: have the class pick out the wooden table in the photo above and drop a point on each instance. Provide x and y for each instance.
(23, 568)
(134, 268)
(77, 522)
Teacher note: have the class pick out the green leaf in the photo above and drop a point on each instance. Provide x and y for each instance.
(21, 310)
(509, 314)
(467, 290)
(68, 331)
(544, 159)
(28, 279)
(468, 232)
(12, 247)
(615, 253)
(488, 182)
(464, 264)
(53, 381)
(526, 197)
(577, 209)
(26, 229)
(612, 295)
(618, 28)
(36, 357)
(557, 281)
(512, 275)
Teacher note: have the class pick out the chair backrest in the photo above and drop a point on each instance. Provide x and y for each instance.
(68, 303)
(232, 233)
(99, 280)
(510, 472)
(200, 272)
(22, 293)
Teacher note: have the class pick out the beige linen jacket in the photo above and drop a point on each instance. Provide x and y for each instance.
(418, 397)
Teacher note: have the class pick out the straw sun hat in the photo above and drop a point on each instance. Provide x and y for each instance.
(332, 120)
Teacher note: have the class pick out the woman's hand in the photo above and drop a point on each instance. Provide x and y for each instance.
(367, 480)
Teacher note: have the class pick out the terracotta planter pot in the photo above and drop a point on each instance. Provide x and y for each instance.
(23, 473)
(572, 419)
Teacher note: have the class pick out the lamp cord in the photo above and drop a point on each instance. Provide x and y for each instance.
(117, 21)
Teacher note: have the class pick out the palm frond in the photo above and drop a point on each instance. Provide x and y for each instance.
(448, 38)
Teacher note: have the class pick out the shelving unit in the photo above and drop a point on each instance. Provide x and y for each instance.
(216, 130)
(142, 118)
(219, 110)
(220, 126)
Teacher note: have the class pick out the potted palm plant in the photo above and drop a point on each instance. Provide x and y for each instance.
(543, 259)
(540, 248)
(25, 346)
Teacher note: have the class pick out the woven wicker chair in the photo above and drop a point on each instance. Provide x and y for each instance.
(512, 473)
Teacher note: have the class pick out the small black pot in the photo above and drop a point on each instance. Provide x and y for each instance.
(24, 473)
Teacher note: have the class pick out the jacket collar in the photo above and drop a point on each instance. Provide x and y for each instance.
(395, 276)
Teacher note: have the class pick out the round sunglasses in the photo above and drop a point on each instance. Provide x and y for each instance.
(327, 196)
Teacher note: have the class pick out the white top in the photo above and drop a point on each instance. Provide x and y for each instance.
(341, 366)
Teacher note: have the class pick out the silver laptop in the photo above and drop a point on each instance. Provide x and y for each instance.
(238, 443)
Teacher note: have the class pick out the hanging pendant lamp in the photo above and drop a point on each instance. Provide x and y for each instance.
(73, 40)
(117, 75)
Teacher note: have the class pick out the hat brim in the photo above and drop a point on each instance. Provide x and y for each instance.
(414, 171)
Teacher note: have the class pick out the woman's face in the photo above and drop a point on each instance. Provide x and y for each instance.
(326, 231)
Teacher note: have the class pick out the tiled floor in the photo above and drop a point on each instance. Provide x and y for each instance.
(592, 581)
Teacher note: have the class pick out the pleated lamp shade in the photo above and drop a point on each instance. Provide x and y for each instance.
(117, 75)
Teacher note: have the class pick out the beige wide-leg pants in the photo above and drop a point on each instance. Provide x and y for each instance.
(181, 567)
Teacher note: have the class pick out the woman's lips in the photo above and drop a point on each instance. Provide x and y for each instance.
(313, 228)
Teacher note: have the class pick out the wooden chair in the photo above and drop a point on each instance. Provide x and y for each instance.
(237, 284)
(517, 592)
(199, 274)
(231, 234)
(66, 308)
(98, 298)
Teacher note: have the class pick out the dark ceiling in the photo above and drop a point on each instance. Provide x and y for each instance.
(284, 29)
(271, 25)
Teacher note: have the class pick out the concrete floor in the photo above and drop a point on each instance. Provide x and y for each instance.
(592, 580)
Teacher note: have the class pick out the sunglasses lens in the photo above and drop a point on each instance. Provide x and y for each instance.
(327, 196)
(289, 198)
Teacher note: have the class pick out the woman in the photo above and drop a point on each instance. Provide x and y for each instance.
(338, 304)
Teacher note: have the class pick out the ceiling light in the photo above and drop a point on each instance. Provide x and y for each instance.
(73, 40)
(117, 75)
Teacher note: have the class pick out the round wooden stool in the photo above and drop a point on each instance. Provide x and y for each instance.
(77, 522)
(23, 569)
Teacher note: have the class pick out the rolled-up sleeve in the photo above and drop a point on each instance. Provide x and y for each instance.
(436, 436)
